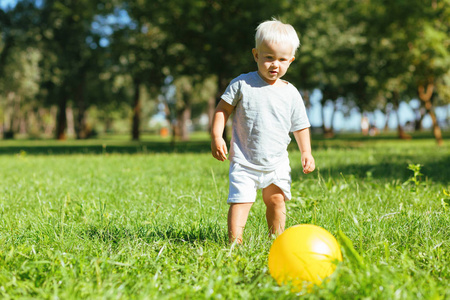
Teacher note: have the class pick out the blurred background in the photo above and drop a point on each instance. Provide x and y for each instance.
(77, 69)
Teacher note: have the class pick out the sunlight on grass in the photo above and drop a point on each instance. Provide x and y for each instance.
(153, 225)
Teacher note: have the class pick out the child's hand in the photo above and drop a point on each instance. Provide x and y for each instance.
(308, 163)
(219, 149)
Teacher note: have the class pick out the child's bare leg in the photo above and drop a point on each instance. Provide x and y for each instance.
(275, 208)
(237, 217)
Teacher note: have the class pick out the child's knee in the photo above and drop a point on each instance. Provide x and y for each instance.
(275, 200)
(273, 196)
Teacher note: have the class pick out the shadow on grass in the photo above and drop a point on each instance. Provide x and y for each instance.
(97, 147)
(424, 135)
(176, 233)
(434, 169)
(111, 145)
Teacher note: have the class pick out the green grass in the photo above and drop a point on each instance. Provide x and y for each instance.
(148, 221)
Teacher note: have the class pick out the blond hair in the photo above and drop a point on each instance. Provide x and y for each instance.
(275, 31)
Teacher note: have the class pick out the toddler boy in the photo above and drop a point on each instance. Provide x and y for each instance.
(266, 109)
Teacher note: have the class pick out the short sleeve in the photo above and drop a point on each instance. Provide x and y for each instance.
(299, 118)
(233, 92)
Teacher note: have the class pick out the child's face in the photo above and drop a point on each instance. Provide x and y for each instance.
(273, 61)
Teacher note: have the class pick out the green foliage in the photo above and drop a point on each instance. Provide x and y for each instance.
(361, 54)
(446, 200)
(416, 178)
(349, 251)
(153, 224)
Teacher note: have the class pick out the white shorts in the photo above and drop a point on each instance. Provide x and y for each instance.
(244, 182)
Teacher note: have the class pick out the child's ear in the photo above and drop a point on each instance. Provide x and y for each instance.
(255, 54)
(292, 59)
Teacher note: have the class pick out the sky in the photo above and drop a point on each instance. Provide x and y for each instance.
(11, 3)
(6, 3)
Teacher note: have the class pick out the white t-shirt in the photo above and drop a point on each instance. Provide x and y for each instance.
(264, 116)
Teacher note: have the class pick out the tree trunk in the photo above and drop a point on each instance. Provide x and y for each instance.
(16, 117)
(8, 132)
(447, 120)
(7, 114)
(61, 119)
(330, 132)
(425, 96)
(171, 118)
(136, 110)
(81, 130)
(387, 112)
(70, 122)
(322, 114)
(420, 114)
(185, 117)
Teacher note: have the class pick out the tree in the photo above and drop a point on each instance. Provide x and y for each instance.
(141, 51)
(332, 56)
(190, 91)
(65, 26)
(19, 56)
(430, 54)
(409, 41)
(209, 37)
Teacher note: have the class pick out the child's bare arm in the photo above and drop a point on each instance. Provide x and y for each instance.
(304, 144)
(218, 145)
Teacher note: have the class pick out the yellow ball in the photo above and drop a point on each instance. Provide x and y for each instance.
(303, 255)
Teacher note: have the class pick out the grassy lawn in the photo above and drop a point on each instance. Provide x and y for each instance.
(113, 219)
